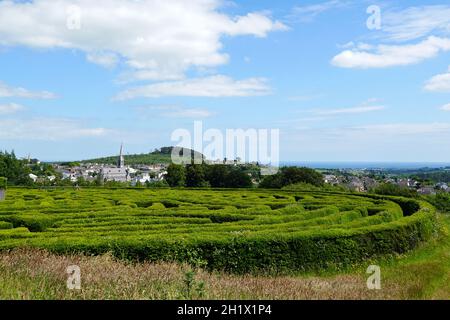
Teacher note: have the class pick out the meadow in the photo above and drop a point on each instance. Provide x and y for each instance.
(236, 231)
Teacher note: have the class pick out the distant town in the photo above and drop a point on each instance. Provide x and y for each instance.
(152, 168)
(91, 172)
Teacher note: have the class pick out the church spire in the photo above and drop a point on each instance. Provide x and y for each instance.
(121, 160)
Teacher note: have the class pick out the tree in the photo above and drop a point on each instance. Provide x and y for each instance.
(14, 170)
(217, 175)
(292, 175)
(272, 182)
(195, 176)
(238, 179)
(176, 175)
(390, 189)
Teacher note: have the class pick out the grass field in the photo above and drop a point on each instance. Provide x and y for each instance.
(242, 244)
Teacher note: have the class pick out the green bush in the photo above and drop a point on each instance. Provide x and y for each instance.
(441, 201)
(5, 225)
(390, 189)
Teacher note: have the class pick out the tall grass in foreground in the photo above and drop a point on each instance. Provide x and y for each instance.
(36, 274)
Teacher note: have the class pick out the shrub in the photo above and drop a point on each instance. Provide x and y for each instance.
(441, 201)
(5, 225)
(394, 190)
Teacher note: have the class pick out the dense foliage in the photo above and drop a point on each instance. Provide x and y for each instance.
(204, 175)
(13, 169)
(391, 189)
(176, 175)
(441, 201)
(3, 183)
(434, 177)
(237, 231)
(292, 175)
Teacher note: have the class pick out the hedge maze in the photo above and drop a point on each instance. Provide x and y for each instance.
(234, 230)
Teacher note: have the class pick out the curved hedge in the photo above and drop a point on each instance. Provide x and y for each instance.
(237, 231)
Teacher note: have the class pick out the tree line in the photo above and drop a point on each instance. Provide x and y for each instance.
(204, 176)
(238, 176)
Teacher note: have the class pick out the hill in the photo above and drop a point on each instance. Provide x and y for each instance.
(159, 156)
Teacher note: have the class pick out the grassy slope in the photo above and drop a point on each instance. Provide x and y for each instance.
(163, 157)
(133, 159)
(422, 274)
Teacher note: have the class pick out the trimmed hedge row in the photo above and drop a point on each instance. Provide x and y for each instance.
(236, 231)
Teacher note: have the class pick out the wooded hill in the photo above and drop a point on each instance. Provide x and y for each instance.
(158, 156)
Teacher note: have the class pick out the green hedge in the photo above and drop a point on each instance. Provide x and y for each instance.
(303, 251)
(5, 225)
(234, 230)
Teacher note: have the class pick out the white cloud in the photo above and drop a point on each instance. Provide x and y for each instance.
(356, 110)
(174, 112)
(439, 83)
(365, 107)
(416, 22)
(322, 115)
(18, 92)
(159, 39)
(105, 59)
(47, 129)
(307, 13)
(446, 107)
(213, 86)
(404, 128)
(142, 75)
(188, 113)
(10, 108)
(392, 55)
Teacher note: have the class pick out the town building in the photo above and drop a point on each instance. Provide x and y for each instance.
(427, 191)
(121, 173)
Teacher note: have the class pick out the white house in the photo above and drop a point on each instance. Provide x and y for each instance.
(33, 177)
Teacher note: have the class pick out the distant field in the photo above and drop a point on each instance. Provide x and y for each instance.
(236, 231)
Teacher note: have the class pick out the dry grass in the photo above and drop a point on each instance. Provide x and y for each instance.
(36, 274)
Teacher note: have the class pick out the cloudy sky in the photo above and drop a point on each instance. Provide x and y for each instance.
(340, 81)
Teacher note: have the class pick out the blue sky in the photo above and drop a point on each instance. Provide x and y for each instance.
(80, 79)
